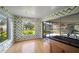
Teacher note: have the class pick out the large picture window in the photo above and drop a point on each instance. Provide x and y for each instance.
(28, 28)
(3, 30)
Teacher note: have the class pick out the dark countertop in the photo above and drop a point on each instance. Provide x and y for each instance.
(67, 40)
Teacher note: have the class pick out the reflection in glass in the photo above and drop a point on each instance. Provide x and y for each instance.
(66, 29)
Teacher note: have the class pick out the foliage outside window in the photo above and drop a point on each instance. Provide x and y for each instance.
(29, 28)
(3, 30)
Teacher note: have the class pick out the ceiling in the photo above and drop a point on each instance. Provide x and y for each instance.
(34, 11)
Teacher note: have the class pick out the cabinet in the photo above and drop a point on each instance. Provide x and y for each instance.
(58, 47)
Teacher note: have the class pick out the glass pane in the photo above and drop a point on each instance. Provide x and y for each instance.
(48, 29)
(56, 29)
(76, 27)
(28, 28)
(70, 30)
(64, 29)
(3, 30)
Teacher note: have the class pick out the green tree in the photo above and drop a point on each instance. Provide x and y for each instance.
(29, 26)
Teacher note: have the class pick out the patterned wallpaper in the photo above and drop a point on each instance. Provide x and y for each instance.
(18, 28)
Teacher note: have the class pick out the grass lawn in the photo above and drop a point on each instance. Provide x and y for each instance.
(27, 32)
(3, 36)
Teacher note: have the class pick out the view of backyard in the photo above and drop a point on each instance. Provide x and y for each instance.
(29, 28)
(3, 36)
(3, 30)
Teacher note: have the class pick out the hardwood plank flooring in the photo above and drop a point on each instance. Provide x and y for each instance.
(30, 46)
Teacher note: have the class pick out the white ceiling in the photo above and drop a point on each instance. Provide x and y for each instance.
(34, 11)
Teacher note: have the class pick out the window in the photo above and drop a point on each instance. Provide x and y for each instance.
(47, 29)
(28, 28)
(3, 30)
(77, 30)
(56, 28)
(64, 29)
(70, 30)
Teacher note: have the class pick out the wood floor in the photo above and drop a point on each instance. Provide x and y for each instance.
(30, 46)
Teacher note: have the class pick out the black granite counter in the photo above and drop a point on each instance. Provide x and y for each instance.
(67, 40)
